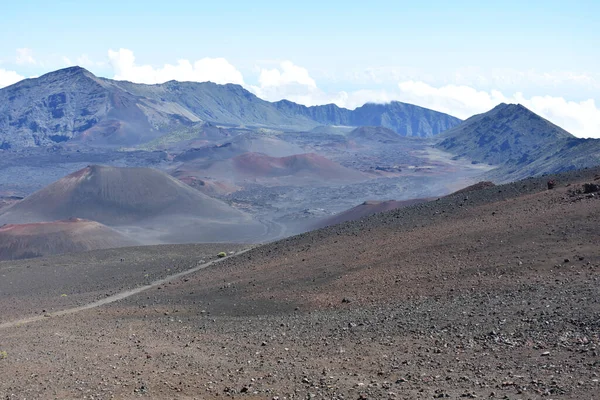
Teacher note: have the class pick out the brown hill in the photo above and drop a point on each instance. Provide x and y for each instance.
(245, 142)
(495, 296)
(365, 209)
(47, 238)
(135, 197)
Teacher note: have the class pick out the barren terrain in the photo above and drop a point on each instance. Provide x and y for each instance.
(58, 237)
(487, 294)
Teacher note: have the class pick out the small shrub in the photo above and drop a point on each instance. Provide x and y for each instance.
(3, 355)
(222, 254)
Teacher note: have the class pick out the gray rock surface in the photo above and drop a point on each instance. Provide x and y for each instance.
(73, 105)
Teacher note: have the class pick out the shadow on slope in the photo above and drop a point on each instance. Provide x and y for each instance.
(155, 205)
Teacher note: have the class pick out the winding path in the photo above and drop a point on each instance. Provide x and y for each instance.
(116, 297)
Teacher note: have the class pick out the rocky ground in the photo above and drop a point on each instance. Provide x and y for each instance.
(43, 285)
(487, 294)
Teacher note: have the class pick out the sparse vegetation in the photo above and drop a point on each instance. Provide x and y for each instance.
(3, 355)
(222, 254)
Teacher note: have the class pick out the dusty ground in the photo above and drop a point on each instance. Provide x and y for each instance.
(44, 285)
(487, 294)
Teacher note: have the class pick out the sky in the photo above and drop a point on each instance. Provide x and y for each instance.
(460, 57)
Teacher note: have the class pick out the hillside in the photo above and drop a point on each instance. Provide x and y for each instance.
(520, 143)
(373, 133)
(297, 169)
(49, 238)
(564, 155)
(509, 133)
(404, 119)
(74, 106)
(365, 209)
(445, 299)
(195, 135)
(247, 142)
(135, 198)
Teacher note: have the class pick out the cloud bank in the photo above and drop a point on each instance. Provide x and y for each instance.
(294, 83)
(25, 56)
(472, 91)
(217, 70)
(580, 118)
(9, 77)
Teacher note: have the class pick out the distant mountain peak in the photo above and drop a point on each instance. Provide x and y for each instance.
(70, 71)
(74, 69)
(506, 132)
(512, 108)
(72, 104)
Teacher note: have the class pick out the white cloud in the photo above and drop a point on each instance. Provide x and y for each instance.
(217, 70)
(503, 77)
(459, 100)
(289, 81)
(82, 61)
(381, 75)
(25, 56)
(85, 62)
(580, 118)
(289, 74)
(292, 82)
(67, 61)
(9, 77)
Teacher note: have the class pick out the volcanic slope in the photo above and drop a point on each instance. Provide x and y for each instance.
(488, 294)
(135, 198)
(297, 169)
(365, 209)
(371, 207)
(507, 132)
(374, 133)
(72, 279)
(248, 142)
(48, 238)
(73, 105)
(520, 143)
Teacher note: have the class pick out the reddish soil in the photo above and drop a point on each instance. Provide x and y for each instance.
(260, 165)
(491, 295)
(116, 196)
(58, 237)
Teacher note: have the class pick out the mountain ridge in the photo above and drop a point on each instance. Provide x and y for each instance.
(508, 131)
(519, 142)
(73, 105)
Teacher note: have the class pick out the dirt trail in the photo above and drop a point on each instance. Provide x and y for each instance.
(114, 297)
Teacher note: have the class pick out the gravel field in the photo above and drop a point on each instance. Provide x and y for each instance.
(486, 294)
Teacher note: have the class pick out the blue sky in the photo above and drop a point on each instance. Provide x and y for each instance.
(459, 57)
